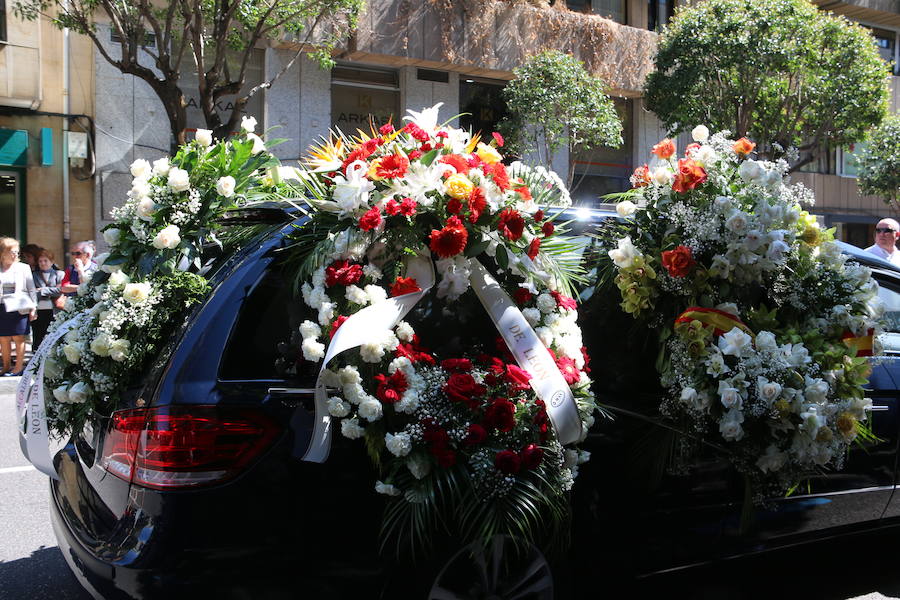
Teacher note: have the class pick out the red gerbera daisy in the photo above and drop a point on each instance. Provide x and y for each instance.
(511, 224)
(449, 241)
(393, 165)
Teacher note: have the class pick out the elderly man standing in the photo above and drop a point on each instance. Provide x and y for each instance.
(886, 233)
(81, 269)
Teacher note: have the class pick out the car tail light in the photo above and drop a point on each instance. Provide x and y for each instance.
(175, 447)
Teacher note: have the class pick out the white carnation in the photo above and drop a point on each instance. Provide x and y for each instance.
(370, 409)
(398, 444)
(337, 407)
(308, 329)
(350, 428)
(312, 350)
(404, 331)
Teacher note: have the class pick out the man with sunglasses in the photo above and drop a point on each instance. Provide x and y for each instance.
(886, 233)
(81, 269)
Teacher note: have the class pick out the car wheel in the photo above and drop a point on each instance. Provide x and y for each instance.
(503, 570)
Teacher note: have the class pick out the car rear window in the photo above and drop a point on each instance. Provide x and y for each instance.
(258, 346)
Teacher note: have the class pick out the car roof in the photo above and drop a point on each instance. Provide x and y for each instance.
(867, 258)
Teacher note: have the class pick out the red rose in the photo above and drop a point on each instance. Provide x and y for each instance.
(393, 165)
(538, 216)
(531, 456)
(457, 162)
(500, 415)
(457, 365)
(371, 219)
(341, 272)
(498, 173)
(511, 224)
(408, 207)
(521, 296)
(435, 436)
(564, 301)
(690, 175)
(533, 248)
(336, 324)
(391, 207)
(498, 138)
(475, 435)
(462, 387)
(404, 285)
(568, 369)
(518, 377)
(507, 462)
(390, 389)
(414, 351)
(547, 229)
(454, 206)
(678, 262)
(386, 129)
(449, 241)
(477, 204)
(641, 176)
(665, 149)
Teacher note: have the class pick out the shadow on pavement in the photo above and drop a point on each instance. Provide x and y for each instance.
(42, 576)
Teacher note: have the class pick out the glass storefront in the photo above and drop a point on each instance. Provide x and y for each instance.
(602, 170)
(362, 95)
(481, 105)
(10, 188)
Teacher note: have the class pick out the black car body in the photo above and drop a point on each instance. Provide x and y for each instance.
(232, 512)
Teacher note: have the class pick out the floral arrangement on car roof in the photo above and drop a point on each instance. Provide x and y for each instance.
(764, 327)
(149, 277)
(448, 414)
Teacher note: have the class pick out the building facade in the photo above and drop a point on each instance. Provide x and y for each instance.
(46, 123)
(410, 55)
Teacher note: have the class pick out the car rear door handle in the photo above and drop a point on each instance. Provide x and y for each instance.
(289, 391)
(877, 408)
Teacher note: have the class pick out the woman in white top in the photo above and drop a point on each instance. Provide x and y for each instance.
(16, 281)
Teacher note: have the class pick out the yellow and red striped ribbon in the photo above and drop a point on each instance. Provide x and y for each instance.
(863, 344)
(719, 320)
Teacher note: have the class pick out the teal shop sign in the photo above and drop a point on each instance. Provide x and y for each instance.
(13, 147)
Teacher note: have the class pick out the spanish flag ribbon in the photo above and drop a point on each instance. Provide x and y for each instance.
(863, 344)
(719, 320)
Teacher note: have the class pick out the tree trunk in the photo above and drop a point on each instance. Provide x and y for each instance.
(176, 111)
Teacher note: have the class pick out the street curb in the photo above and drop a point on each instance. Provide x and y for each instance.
(8, 385)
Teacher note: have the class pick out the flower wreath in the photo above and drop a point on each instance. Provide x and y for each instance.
(149, 277)
(449, 415)
(764, 327)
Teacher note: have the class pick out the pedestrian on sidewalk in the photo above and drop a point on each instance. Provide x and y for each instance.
(19, 305)
(47, 280)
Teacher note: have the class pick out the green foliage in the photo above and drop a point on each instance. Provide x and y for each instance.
(554, 103)
(879, 162)
(774, 70)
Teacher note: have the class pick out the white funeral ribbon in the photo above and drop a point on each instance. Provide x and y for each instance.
(34, 434)
(527, 348)
(531, 354)
(359, 328)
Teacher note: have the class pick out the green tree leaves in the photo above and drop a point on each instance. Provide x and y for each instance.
(879, 162)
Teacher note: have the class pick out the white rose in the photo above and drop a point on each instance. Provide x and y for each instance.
(816, 390)
(737, 222)
(772, 178)
(625, 208)
(161, 166)
(730, 396)
(73, 352)
(350, 428)
(167, 238)
(258, 144)
(100, 345)
(386, 488)
(370, 409)
(225, 186)
(146, 208)
(700, 133)
(204, 137)
(79, 392)
(337, 407)
(772, 460)
(765, 341)
(248, 124)
(179, 180)
(705, 155)
(140, 169)
(135, 293)
(119, 349)
(688, 395)
(118, 279)
(112, 236)
(751, 171)
(139, 189)
(767, 391)
(61, 394)
(730, 425)
(729, 307)
(398, 444)
(777, 250)
(624, 255)
(662, 176)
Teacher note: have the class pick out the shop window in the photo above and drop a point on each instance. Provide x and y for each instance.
(886, 42)
(611, 9)
(824, 163)
(603, 170)
(848, 159)
(189, 83)
(361, 95)
(482, 105)
(659, 12)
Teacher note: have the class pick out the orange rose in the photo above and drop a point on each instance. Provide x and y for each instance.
(678, 262)
(690, 175)
(743, 147)
(665, 149)
(641, 176)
